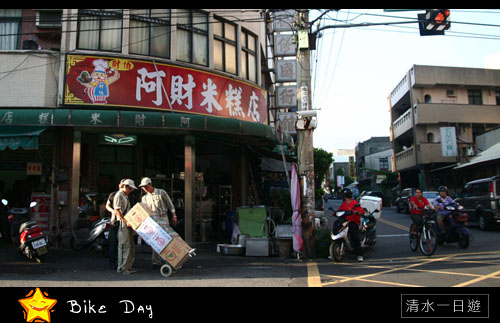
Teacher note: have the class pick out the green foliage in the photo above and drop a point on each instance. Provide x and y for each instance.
(322, 162)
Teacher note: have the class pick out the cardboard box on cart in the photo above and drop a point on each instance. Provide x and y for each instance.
(161, 237)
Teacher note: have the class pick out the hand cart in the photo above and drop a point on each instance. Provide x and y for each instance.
(167, 269)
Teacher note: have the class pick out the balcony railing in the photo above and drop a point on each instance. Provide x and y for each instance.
(402, 124)
(405, 159)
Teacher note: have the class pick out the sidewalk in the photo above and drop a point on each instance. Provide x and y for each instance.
(66, 267)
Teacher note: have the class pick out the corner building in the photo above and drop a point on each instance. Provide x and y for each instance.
(173, 94)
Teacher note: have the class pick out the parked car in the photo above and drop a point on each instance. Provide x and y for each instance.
(403, 201)
(430, 195)
(481, 200)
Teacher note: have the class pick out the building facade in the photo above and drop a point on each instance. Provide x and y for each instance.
(430, 102)
(372, 155)
(91, 96)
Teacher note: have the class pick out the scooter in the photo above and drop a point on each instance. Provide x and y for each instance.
(90, 233)
(27, 234)
(341, 243)
(455, 229)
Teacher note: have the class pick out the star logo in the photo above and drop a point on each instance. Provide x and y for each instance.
(37, 306)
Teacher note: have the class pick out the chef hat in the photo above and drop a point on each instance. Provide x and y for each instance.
(100, 65)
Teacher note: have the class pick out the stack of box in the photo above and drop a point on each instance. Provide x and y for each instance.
(162, 238)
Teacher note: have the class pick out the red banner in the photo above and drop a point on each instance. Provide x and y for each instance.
(112, 81)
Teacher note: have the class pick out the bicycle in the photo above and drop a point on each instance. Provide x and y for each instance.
(425, 235)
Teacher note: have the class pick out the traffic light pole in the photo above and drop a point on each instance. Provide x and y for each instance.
(305, 150)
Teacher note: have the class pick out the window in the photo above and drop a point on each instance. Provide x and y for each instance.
(10, 27)
(383, 163)
(479, 189)
(150, 32)
(497, 92)
(430, 137)
(427, 99)
(100, 29)
(192, 36)
(475, 97)
(249, 56)
(224, 46)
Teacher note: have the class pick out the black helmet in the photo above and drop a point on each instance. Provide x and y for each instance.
(347, 192)
(443, 188)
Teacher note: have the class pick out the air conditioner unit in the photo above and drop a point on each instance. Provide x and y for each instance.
(48, 18)
(470, 151)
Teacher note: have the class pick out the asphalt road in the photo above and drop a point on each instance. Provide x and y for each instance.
(389, 263)
(392, 263)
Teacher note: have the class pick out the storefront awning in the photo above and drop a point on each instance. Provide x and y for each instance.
(489, 155)
(25, 137)
(138, 120)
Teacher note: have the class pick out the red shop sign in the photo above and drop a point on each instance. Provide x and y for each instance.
(108, 81)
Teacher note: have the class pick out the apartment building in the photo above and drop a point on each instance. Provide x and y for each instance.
(429, 99)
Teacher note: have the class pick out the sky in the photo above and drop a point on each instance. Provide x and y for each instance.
(355, 69)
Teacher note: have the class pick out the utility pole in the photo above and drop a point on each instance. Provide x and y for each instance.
(305, 150)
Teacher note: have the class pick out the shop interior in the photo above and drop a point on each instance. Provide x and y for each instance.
(161, 157)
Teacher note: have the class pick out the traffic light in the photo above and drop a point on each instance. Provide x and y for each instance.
(434, 22)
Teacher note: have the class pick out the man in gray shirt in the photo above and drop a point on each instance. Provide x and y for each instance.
(126, 246)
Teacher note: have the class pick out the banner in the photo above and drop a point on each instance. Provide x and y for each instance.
(112, 81)
(41, 212)
(448, 141)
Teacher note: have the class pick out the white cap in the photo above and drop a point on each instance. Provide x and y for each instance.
(130, 183)
(145, 181)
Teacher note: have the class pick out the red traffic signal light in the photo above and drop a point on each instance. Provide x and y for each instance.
(434, 22)
(441, 16)
(437, 19)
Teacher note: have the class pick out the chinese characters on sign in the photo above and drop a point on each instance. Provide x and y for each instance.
(283, 45)
(283, 20)
(286, 70)
(448, 141)
(445, 305)
(286, 96)
(141, 84)
(288, 120)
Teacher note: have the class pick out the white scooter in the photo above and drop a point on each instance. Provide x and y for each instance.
(340, 238)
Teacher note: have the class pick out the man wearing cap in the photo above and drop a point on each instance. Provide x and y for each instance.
(126, 246)
(159, 202)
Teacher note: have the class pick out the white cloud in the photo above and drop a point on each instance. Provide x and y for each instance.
(492, 61)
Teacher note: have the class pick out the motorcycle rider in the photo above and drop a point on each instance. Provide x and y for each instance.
(440, 203)
(354, 220)
(418, 203)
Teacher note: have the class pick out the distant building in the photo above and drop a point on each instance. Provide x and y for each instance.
(372, 154)
(430, 100)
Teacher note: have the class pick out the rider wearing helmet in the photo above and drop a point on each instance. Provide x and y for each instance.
(440, 203)
(354, 220)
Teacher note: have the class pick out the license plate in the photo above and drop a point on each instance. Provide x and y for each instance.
(38, 243)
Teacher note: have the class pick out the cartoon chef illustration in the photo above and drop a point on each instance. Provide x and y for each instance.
(97, 84)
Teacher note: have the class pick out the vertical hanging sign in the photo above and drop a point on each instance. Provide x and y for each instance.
(448, 141)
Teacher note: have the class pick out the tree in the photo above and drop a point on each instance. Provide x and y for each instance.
(322, 162)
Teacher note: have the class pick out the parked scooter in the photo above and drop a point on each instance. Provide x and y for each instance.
(26, 233)
(341, 243)
(455, 229)
(90, 232)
